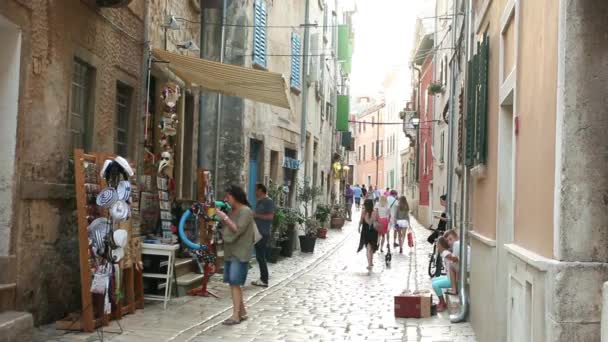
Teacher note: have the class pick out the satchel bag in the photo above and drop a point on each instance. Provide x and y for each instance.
(256, 234)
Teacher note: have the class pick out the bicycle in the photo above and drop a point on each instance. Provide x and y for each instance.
(435, 268)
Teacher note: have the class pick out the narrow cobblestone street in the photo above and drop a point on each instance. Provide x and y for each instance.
(327, 296)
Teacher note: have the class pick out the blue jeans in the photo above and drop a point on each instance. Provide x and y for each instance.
(260, 254)
(235, 272)
(440, 283)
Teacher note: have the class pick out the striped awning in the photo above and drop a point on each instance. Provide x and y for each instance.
(232, 80)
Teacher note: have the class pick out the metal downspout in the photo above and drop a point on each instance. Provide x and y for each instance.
(146, 66)
(464, 194)
(219, 99)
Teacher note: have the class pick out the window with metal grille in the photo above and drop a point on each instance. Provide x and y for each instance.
(81, 105)
(124, 95)
(259, 33)
(296, 62)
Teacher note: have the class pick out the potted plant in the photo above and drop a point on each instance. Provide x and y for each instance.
(307, 195)
(278, 226)
(338, 217)
(322, 215)
(308, 240)
(435, 88)
(292, 218)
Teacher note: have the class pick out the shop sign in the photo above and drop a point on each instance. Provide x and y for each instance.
(290, 163)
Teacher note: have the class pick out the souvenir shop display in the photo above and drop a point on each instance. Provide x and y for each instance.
(205, 251)
(109, 244)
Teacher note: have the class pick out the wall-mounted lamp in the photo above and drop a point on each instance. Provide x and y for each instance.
(170, 23)
(189, 45)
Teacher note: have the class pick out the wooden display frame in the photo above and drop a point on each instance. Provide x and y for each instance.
(88, 320)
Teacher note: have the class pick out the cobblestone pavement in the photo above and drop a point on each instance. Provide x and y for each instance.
(326, 296)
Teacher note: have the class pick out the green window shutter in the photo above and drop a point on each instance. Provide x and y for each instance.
(342, 113)
(470, 118)
(482, 110)
(259, 32)
(296, 61)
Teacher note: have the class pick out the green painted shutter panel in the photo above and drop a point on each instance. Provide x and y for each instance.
(343, 112)
(482, 111)
(346, 139)
(296, 61)
(343, 43)
(259, 32)
(470, 118)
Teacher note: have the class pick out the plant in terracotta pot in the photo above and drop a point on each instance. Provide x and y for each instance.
(322, 215)
(435, 88)
(338, 217)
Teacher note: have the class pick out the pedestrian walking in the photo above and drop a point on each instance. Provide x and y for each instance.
(371, 193)
(384, 214)
(363, 192)
(367, 228)
(239, 237)
(377, 194)
(357, 193)
(348, 201)
(400, 220)
(264, 214)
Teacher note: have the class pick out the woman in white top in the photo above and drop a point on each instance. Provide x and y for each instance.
(384, 216)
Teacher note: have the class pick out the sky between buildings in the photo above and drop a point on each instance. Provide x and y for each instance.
(384, 34)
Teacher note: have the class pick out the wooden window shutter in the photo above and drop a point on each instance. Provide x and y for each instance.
(470, 118)
(482, 107)
(296, 61)
(259, 33)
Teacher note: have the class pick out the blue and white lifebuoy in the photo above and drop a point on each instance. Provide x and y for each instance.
(182, 234)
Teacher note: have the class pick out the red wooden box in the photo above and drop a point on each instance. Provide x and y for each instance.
(413, 305)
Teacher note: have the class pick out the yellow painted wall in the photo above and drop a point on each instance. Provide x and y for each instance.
(536, 107)
(483, 210)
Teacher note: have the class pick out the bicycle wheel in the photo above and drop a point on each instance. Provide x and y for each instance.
(432, 266)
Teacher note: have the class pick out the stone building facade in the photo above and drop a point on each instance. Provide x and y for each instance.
(65, 65)
(256, 139)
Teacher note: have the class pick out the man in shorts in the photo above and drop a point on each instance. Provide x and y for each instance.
(357, 193)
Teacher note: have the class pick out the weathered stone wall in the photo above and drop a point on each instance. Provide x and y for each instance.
(44, 233)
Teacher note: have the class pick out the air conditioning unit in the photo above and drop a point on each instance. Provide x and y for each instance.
(113, 3)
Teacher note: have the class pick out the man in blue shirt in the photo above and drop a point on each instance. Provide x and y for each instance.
(264, 214)
(357, 193)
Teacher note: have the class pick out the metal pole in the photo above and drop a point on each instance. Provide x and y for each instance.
(452, 121)
(201, 102)
(146, 66)
(303, 153)
(219, 99)
(377, 148)
(463, 296)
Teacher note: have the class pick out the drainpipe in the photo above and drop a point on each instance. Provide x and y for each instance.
(201, 101)
(461, 315)
(304, 97)
(219, 98)
(452, 120)
(419, 70)
(146, 65)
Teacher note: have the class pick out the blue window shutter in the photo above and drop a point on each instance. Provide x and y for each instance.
(296, 61)
(259, 33)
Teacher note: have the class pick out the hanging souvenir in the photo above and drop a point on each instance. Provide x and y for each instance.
(170, 94)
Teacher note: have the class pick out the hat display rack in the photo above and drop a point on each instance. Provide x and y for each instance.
(107, 200)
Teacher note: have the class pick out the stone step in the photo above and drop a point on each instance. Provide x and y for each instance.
(16, 326)
(8, 265)
(184, 266)
(188, 282)
(7, 297)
